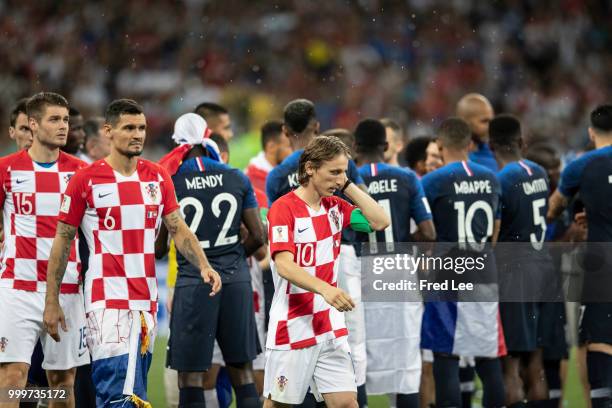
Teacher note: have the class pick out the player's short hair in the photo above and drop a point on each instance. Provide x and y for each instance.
(390, 123)
(601, 118)
(37, 104)
(271, 131)
(544, 154)
(319, 150)
(370, 133)
(220, 141)
(298, 114)
(119, 107)
(20, 107)
(505, 132)
(209, 109)
(345, 135)
(73, 111)
(416, 150)
(454, 133)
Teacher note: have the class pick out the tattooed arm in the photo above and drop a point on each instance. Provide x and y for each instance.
(189, 246)
(58, 260)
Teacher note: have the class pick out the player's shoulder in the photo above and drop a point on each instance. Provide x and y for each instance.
(17, 157)
(151, 171)
(480, 170)
(68, 162)
(285, 204)
(289, 164)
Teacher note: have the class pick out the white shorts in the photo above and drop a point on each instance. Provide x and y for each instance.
(325, 368)
(21, 326)
(349, 279)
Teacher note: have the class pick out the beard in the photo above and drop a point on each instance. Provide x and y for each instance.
(130, 153)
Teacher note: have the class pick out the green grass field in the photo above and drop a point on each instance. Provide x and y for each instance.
(573, 399)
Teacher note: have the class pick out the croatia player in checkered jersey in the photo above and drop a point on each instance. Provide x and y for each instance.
(306, 344)
(32, 185)
(119, 203)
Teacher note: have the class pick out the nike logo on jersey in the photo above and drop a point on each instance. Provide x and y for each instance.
(302, 230)
(20, 181)
(100, 195)
(81, 354)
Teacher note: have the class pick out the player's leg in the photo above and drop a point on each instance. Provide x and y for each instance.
(467, 375)
(334, 377)
(210, 380)
(121, 344)
(193, 324)
(599, 367)
(535, 381)
(552, 369)
(490, 372)
(62, 379)
(513, 383)
(237, 338)
(446, 376)
(427, 390)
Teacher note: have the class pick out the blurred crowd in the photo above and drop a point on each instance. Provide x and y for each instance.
(548, 62)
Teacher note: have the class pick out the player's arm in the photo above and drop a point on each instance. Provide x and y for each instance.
(557, 203)
(426, 231)
(252, 221)
(372, 211)
(496, 229)
(161, 243)
(58, 260)
(187, 244)
(291, 271)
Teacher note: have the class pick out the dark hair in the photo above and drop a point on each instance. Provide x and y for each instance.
(36, 105)
(298, 114)
(370, 132)
(601, 118)
(91, 127)
(319, 150)
(390, 123)
(416, 150)
(73, 111)
(505, 132)
(543, 154)
(220, 141)
(119, 107)
(454, 133)
(208, 109)
(20, 107)
(345, 135)
(271, 130)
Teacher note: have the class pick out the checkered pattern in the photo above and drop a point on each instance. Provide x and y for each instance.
(31, 196)
(299, 318)
(119, 216)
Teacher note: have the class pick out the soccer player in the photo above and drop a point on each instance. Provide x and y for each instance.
(275, 148)
(217, 117)
(591, 176)
(97, 145)
(204, 185)
(477, 111)
(422, 155)
(395, 141)
(306, 344)
(119, 203)
(76, 134)
(467, 216)
(400, 193)
(301, 126)
(525, 190)
(33, 182)
(19, 129)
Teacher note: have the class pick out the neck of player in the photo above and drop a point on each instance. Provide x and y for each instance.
(503, 159)
(309, 195)
(125, 165)
(42, 153)
(451, 156)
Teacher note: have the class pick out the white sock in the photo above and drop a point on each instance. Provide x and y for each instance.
(211, 398)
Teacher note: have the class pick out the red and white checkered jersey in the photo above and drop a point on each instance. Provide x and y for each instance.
(119, 216)
(31, 196)
(299, 318)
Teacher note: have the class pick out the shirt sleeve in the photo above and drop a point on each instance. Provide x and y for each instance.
(497, 202)
(250, 201)
(353, 173)
(168, 193)
(280, 229)
(74, 202)
(570, 178)
(271, 186)
(419, 206)
(429, 187)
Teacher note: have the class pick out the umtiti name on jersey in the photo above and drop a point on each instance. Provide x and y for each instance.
(535, 186)
(200, 182)
(382, 186)
(473, 187)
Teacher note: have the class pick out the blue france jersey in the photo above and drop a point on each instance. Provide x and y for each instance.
(284, 177)
(591, 174)
(524, 202)
(484, 156)
(464, 199)
(212, 197)
(400, 193)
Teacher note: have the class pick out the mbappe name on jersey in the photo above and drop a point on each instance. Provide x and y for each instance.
(201, 182)
(473, 187)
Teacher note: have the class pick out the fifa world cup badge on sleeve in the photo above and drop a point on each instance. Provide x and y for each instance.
(65, 207)
(280, 233)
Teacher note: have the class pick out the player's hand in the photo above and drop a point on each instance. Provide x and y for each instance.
(211, 277)
(581, 219)
(338, 298)
(52, 316)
